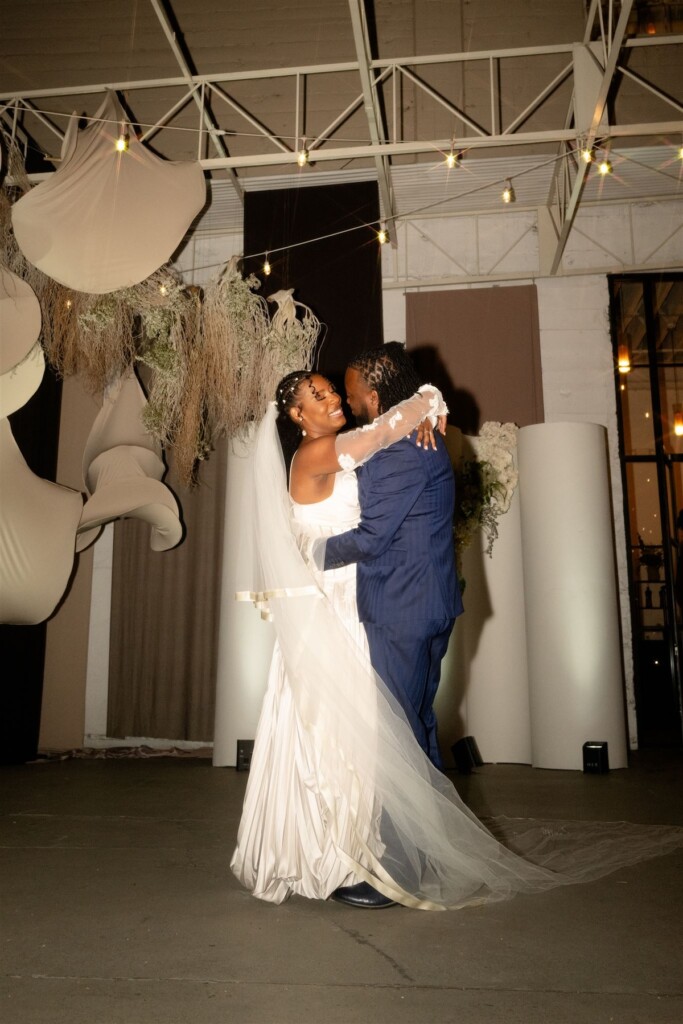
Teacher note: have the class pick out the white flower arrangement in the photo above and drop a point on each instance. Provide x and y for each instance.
(485, 486)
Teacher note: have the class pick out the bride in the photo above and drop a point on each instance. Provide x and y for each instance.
(339, 791)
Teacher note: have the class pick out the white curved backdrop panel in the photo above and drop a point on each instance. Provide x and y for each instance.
(572, 614)
(245, 642)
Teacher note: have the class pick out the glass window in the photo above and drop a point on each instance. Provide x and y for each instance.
(636, 412)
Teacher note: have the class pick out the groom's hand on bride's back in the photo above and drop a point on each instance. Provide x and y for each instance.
(425, 432)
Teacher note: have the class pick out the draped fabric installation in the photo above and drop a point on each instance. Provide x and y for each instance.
(481, 347)
(36, 429)
(164, 618)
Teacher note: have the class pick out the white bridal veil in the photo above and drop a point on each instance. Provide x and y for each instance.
(424, 847)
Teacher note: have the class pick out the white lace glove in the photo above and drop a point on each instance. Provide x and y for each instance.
(357, 446)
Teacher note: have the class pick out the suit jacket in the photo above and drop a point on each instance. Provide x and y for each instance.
(404, 542)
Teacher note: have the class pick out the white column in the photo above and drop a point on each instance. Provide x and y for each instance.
(572, 614)
(484, 691)
(245, 641)
(497, 693)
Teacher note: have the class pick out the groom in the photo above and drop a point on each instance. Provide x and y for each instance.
(406, 584)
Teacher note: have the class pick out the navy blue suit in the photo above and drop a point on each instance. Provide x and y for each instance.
(407, 587)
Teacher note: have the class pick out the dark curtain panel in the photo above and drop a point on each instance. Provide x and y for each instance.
(164, 618)
(481, 346)
(36, 431)
(339, 277)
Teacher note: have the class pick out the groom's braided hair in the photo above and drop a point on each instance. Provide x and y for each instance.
(389, 371)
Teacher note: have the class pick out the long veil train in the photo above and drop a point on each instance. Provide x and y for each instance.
(425, 848)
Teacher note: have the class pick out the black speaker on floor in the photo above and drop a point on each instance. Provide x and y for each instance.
(466, 755)
(595, 758)
(245, 748)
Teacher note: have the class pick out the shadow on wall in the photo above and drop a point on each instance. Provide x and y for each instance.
(464, 412)
(463, 423)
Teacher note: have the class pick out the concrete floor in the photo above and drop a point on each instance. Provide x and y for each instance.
(118, 907)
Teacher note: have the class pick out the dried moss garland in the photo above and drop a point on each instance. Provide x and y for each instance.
(215, 355)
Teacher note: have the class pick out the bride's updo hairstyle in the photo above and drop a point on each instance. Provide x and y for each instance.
(287, 397)
(389, 371)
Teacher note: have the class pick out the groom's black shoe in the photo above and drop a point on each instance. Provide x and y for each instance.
(362, 895)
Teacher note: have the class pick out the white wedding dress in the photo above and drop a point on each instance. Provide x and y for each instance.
(285, 844)
(339, 790)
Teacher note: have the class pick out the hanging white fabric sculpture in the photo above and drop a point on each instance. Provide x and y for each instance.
(38, 522)
(107, 219)
(22, 381)
(122, 470)
(19, 319)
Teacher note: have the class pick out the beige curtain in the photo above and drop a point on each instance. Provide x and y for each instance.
(481, 346)
(164, 619)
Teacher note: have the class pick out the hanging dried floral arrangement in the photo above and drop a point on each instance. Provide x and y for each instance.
(215, 355)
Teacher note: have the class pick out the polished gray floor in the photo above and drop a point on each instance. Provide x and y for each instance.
(118, 907)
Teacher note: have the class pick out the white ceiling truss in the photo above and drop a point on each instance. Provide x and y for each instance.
(589, 70)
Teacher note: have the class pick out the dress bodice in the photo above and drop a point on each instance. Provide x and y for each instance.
(332, 515)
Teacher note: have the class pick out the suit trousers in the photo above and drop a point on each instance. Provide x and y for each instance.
(408, 658)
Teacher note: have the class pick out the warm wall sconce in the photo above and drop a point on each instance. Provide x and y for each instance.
(678, 420)
(623, 359)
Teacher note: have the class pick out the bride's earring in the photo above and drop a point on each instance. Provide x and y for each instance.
(303, 432)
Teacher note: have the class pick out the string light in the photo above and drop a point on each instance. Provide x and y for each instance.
(680, 152)
(508, 192)
(623, 359)
(586, 153)
(383, 235)
(604, 167)
(453, 159)
(266, 266)
(163, 289)
(302, 157)
(360, 227)
(123, 142)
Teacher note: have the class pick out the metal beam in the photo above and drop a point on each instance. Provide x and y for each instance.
(613, 51)
(206, 115)
(372, 113)
(437, 147)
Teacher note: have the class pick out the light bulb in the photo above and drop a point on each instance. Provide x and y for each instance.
(587, 154)
(680, 152)
(604, 167)
(382, 235)
(508, 192)
(266, 267)
(452, 160)
(122, 142)
(678, 420)
(302, 157)
(624, 359)
(163, 289)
